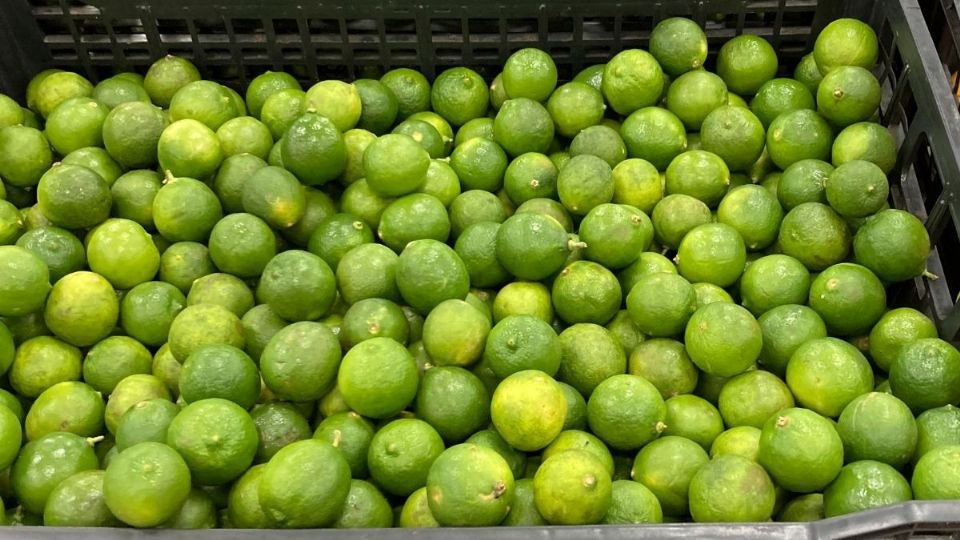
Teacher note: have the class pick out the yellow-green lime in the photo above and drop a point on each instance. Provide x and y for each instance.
(815, 235)
(924, 374)
(826, 374)
(654, 134)
(469, 485)
(896, 329)
(746, 62)
(622, 423)
(801, 450)
(849, 298)
(312, 148)
(778, 96)
(666, 466)
(632, 79)
(147, 484)
(338, 101)
(893, 244)
(731, 488)
(845, 42)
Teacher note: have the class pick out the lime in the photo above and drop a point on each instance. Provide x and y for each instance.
(694, 95)
(637, 183)
(572, 488)
(76, 123)
(25, 284)
(453, 401)
(575, 106)
(803, 181)
(265, 85)
(750, 398)
(300, 361)
(475, 206)
(183, 262)
(731, 488)
(532, 246)
(480, 163)
(895, 330)
(522, 125)
(289, 494)
(188, 148)
(459, 94)
(275, 195)
(626, 332)
(699, 174)
(713, 253)
(632, 502)
(351, 434)
(425, 134)
(754, 213)
(796, 135)
(723, 339)
(338, 101)
(147, 485)
(660, 304)
(313, 149)
(694, 418)
(826, 374)
(863, 485)
(130, 391)
(679, 45)
(133, 194)
(69, 406)
(523, 298)
(145, 421)
(676, 215)
(373, 317)
(878, 427)
(336, 235)
(114, 359)
(395, 164)
(78, 501)
(245, 135)
(297, 285)
(529, 73)
(626, 424)
(469, 485)
(401, 453)
(655, 135)
(743, 441)
(664, 363)
(82, 308)
(801, 450)
(867, 141)
(203, 324)
(57, 87)
(845, 42)
(42, 362)
(220, 371)
(242, 244)
(148, 309)
(74, 197)
(280, 110)
(429, 272)
(454, 333)
(378, 377)
(746, 62)
(216, 438)
(849, 298)
(601, 141)
(121, 251)
(11, 113)
(415, 513)
(25, 154)
(367, 271)
(781, 95)
(356, 142)
(894, 245)
(411, 89)
(204, 101)
(935, 428)
(923, 374)
(580, 440)
(815, 235)
(528, 410)
(166, 76)
(734, 134)
(585, 182)
(847, 95)
(47, 461)
(774, 280)
(665, 467)
(857, 189)
(585, 291)
(632, 79)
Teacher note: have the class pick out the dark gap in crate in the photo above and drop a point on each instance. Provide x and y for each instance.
(521, 25)
(446, 26)
(561, 25)
(324, 27)
(210, 25)
(948, 248)
(216, 54)
(330, 54)
(248, 26)
(366, 55)
(333, 71)
(403, 55)
(248, 54)
(393, 26)
(486, 53)
(364, 27)
(291, 53)
(285, 26)
(598, 28)
(448, 54)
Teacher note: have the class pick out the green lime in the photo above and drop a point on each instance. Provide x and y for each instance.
(699, 174)
(523, 298)
(186, 210)
(114, 359)
(47, 461)
(676, 215)
(216, 438)
(532, 246)
(121, 251)
(25, 154)
(632, 503)
(478, 127)
(368, 271)
(97, 160)
(204, 101)
(746, 62)
(923, 374)
(245, 135)
(378, 377)
(845, 42)
(523, 125)
(289, 494)
(591, 76)
(895, 330)
(274, 195)
(774, 280)
(796, 135)
(145, 421)
(40, 363)
(475, 206)
(429, 272)
(242, 244)
(278, 425)
(365, 507)
(459, 95)
(338, 101)
(476, 247)
(585, 291)
(454, 333)
(666, 466)
(453, 401)
(894, 245)
(313, 149)
(187, 148)
(655, 135)
(220, 371)
(626, 412)
(679, 45)
(626, 332)
(166, 76)
(660, 304)
(469, 485)
(778, 96)
(694, 95)
(528, 409)
(379, 105)
(575, 106)
(723, 339)
(529, 73)
(11, 113)
(589, 355)
(297, 285)
(411, 89)
(300, 361)
(734, 134)
(26, 283)
(183, 262)
(69, 406)
(203, 324)
(694, 418)
(78, 501)
(82, 308)
(849, 298)
(750, 398)
(373, 317)
(601, 141)
(937, 427)
(801, 450)
(712, 253)
(826, 374)
(480, 163)
(808, 74)
(76, 123)
(523, 512)
(146, 484)
(265, 85)
(863, 485)
(731, 488)
(74, 197)
(395, 165)
(280, 110)
(400, 455)
(637, 183)
(803, 181)
(585, 182)
(356, 142)
(351, 434)
(754, 213)
(867, 141)
(572, 488)
(847, 95)
(880, 427)
(336, 235)
(415, 513)
(743, 441)
(815, 235)
(632, 79)
(664, 363)
(856, 189)
(57, 87)
(148, 309)
(133, 194)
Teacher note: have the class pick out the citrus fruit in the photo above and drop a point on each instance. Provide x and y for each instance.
(459, 95)
(750, 398)
(454, 333)
(289, 494)
(731, 488)
(626, 424)
(220, 371)
(203, 324)
(585, 291)
(166, 76)
(615, 234)
(660, 304)
(300, 361)
(867, 141)
(12, 436)
(803, 181)
(632, 502)
(532, 246)
(585, 182)
(58, 87)
(699, 174)
(480, 163)
(845, 42)
(601, 141)
(297, 285)
(429, 272)
(186, 210)
(26, 155)
(338, 101)
(734, 134)
(25, 284)
(665, 364)
(204, 101)
(348, 432)
(572, 488)
(313, 149)
(896, 329)
(76, 123)
(746, 62)
(655, 135)
(796, 135)
(453, 401)
(378, 377)
(632, 79)
(856, 189)
(575, 106)
(723, 339)
(188, 148)
(862, 485)
(41, 362)
(146, 485)
(679, 45)
(826, 374)
(145, 421)
(774, 280)
(815, 235)
(78, 501)
(521, 342)
(712, 253)
(847, 95)
(694, 418)
(778, 96)
(589, 355)
(400, 455)
(469, 485)
(529, 73)
(245, 135)
(849, 298)
(425, 134)
(82, 308)
(395, 165)
(666, 466)
(801, 450)
(878, 426)
(379, 105)
(694, 95)
(265, 85)
(743, 441)
(373, 317)
(528, 410)
(754, 213)
(280, 110)
(924, 372)
(74, 197)
(523, 125)
(893, 244)
(114, 359)
(523, 298)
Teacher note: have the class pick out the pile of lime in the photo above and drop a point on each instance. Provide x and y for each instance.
(652, 293)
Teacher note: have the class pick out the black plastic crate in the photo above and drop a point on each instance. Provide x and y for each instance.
(234, 40)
